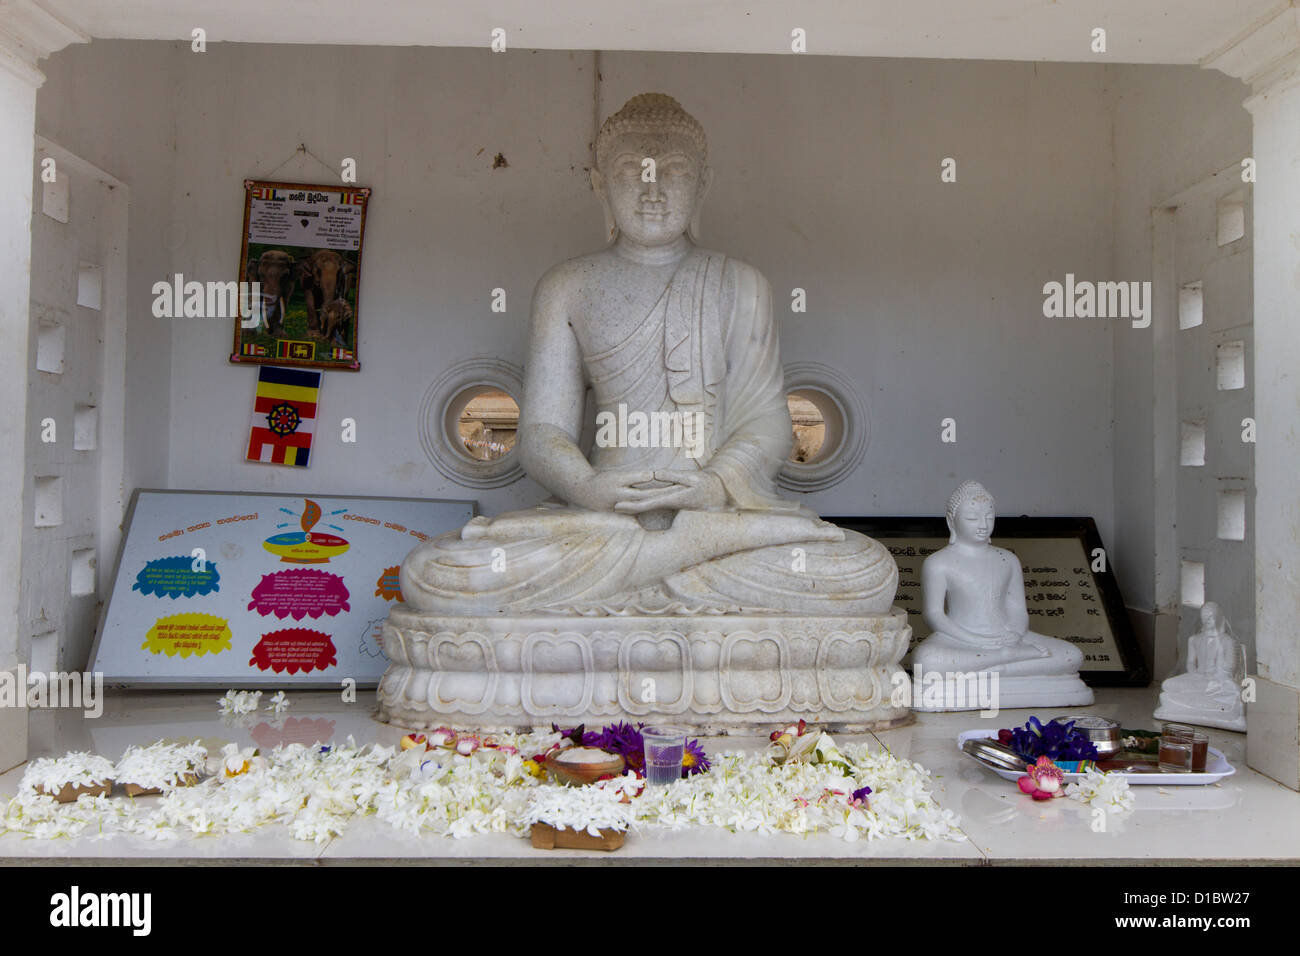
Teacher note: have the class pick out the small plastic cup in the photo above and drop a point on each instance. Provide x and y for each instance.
(665, 748)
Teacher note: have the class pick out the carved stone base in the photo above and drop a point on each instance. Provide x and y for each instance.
(714, 674)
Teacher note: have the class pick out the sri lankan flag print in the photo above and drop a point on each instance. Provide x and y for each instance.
(284, 415)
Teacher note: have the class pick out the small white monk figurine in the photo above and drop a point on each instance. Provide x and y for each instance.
(974, 604)
(1208, 694)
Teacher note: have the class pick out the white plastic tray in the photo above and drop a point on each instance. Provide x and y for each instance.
(1216, 768)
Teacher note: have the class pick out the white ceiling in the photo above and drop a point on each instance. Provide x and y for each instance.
(1138, 31)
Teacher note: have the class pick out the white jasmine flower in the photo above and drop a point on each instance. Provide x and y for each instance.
(1109, 791)
(279, 703)
(239, 702)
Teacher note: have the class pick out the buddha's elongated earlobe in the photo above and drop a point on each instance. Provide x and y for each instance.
(598, 186)
(706, 180)
(952, 532)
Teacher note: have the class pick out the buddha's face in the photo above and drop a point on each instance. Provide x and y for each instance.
(657, 212)
(973, 522)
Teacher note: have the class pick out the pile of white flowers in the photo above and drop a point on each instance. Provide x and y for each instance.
(35, 811)
(79, 769)
(601, 806)
(317, 791)
(1110, 791)
(160, 766)
(744, 792)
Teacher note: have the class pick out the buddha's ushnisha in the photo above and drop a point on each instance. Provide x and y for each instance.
(656, 326)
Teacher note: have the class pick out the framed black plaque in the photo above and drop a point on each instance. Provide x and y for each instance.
(1070, 590)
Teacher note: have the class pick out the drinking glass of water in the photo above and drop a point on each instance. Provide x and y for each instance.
(664, 750)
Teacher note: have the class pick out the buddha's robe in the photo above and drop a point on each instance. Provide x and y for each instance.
(721, 372)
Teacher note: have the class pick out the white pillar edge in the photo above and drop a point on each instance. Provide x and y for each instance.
(1268, 58)
(28, 33)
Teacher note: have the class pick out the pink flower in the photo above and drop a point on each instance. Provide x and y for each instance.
(1043, 780)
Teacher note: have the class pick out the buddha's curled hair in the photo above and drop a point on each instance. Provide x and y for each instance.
(650, 113)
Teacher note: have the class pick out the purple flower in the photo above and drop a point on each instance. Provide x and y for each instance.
(625, 740)
(1056, 739)
(861, 793)
(694, 759)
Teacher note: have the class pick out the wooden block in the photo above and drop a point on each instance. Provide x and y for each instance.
(71, 792)
(547, 837)
(135, 790)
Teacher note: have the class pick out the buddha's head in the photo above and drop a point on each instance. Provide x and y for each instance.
(1212, 621)
(655, 212)
(970, 514)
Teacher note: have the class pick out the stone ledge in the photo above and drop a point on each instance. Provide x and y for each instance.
(723, 674)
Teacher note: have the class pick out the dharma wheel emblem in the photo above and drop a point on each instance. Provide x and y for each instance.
(283, 419)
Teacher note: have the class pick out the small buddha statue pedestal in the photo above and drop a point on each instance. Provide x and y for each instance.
(665, 577)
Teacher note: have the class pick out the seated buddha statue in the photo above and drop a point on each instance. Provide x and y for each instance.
(974, 604)
(670, 519)
(1208, 693)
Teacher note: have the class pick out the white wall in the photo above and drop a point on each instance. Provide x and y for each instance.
(927, 295)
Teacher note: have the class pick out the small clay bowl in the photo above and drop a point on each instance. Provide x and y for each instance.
(576, 773)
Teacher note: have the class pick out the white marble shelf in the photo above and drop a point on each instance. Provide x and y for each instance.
(1247, 817)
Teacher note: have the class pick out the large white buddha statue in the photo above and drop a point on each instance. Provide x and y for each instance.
(1208, 693)
(665, 575)
(974, 604)
(663, 331)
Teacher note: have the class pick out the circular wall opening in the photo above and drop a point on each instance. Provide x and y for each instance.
(487, 422)
(469, 421)
(830, 427)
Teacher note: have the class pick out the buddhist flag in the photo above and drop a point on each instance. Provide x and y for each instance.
(284, 415)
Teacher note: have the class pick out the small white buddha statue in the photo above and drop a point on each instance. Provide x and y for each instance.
(1208, 694)
(974, 604)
